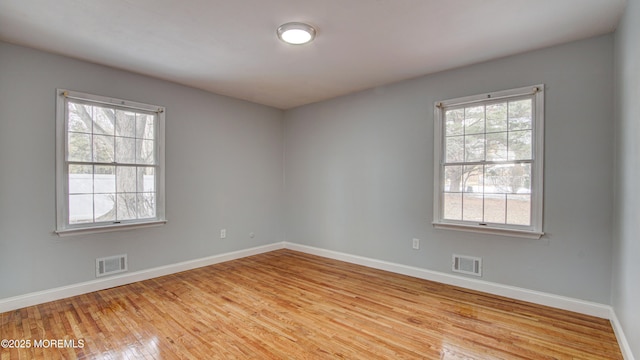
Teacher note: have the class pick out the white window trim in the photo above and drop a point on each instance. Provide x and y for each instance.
(62, 226)
(535, 231)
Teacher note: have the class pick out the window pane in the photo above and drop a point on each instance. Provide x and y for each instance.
(80, 179)
(146, 179)
(103, 148)
(453, 178)
(454, 149)
(511, 178)
(125, 123)
(104, 180)
(497, 146)
(474, 148)
(520, 145)
(521, 178)
(125, 150)
(495, 207)
(105, 207)
(79, 118)
(498, 179)
(453, 206)
(144, 152)
(144, 126)
(103, 120)
(472, 207)
(474, 120)
(126, 206)
(472, 178)
(497, 117)
(519, 209)
(126, 179)
(520, 115)
(80, 209)
(146, 205)
(454, 122)
(79, 147)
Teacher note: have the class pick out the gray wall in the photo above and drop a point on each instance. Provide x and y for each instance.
(359, 172)
(223, 163)
(626, 254)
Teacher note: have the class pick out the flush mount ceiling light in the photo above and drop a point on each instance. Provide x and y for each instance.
(296, 33)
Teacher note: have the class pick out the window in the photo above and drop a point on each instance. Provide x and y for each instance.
(109, 163)
(488, 162)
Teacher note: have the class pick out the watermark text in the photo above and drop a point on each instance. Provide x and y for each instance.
(42, 343)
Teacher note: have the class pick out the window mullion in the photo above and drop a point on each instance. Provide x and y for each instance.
(93, 191)
(506, 207)
(484, 157)
(504, 162)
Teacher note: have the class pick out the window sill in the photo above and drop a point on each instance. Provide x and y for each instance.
(108, 228)
(490, 230)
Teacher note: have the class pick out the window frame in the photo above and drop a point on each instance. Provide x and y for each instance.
(63, 226)
(535, 229)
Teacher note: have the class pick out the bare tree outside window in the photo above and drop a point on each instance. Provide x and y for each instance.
(486, 140)
(118, 143)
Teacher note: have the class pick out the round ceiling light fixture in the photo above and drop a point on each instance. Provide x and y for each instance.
(296, 33)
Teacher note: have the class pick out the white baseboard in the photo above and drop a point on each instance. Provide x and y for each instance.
(44, 296)
(622, 339)
(537, 297)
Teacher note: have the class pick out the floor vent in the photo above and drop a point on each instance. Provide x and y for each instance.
(111, 265)
(467, 265)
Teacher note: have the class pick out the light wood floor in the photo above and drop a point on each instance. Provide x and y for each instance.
(289, 305)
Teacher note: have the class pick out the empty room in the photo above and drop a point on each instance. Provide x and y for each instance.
(280, 179)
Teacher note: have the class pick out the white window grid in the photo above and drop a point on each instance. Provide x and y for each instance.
(533, 229)
(155, 143)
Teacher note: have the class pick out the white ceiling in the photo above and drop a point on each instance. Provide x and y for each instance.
(230, 47)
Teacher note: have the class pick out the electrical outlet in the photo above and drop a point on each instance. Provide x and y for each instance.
(416, 244)
(223, 234)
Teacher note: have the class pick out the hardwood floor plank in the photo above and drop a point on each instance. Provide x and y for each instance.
(289, 305)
